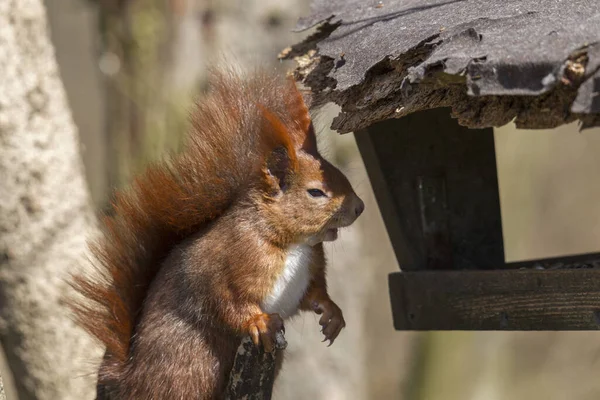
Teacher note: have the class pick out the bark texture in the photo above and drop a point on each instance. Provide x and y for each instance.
(253, 372)
(45, 214)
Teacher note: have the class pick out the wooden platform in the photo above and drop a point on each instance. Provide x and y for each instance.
(496, 300)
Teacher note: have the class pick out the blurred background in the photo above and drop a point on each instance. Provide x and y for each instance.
(131, 69)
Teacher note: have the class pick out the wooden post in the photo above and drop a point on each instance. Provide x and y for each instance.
(437, 188)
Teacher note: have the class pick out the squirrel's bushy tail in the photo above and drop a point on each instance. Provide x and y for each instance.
(223, 154)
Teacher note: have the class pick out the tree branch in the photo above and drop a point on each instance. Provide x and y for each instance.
(253, 373)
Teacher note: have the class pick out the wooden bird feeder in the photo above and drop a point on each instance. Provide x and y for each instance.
(422, 84)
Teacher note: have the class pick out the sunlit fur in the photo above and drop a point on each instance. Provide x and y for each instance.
(199, 241)
(295, 216)
(292, 213)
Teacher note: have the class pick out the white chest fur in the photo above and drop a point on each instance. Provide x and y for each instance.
(291, 285)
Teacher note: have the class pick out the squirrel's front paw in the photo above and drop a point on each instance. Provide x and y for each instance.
(332, 319)
(263, 328)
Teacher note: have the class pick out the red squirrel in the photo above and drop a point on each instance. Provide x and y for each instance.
(218, 242)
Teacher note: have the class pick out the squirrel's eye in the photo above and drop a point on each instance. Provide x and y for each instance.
(316, 193)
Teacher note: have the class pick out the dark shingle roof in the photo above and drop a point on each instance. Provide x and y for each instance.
(491, 61)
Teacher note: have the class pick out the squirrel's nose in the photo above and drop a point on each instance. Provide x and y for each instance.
(359, 208)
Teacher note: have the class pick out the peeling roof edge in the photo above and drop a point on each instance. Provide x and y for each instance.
(568, 93)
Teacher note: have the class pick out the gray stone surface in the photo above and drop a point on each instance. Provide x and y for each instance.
(45, 214)
(7, 384)
(491, 61)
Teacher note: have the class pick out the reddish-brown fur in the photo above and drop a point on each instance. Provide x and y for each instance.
(197, 242)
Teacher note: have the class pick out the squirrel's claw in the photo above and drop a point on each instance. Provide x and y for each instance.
(255, 334)
(263, 329)
(331, 321)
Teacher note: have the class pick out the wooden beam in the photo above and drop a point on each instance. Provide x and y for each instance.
(437, 188)
(496, 300)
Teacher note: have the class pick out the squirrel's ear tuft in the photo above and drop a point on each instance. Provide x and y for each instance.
(296, 107)
(281, 160)
(277, 135)
(305, 137)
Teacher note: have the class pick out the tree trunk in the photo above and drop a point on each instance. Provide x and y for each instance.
(45, 214)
